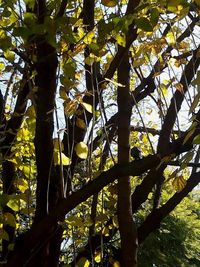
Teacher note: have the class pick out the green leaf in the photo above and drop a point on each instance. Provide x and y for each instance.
(154, 16)
(144, 24)
(29, 18)
(196, 140)
(4, 198)
(9, 219)
(4, 235)
(14, 204)
(9, 55)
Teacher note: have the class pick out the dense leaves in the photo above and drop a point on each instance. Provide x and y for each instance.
(99, 133)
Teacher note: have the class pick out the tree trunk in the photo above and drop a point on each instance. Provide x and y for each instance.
(127, 226)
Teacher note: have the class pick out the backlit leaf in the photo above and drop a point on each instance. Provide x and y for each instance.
(144, 24)
(179, 183)
(109, 3)
(83, 262)
(87, 106)
(58, 158)
(81, 150)
(14, 204)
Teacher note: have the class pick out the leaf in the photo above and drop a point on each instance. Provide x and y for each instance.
(179, 183)
(4, 235)
(23, 134)
(154, 16)
(116, 264)
(22, 184)
(83, 262)
(81, 150)
(87, 106)
(9, 55)
(70, 107)
(115, 222)
(109, 3)
(9, 219)
(97, 257)
(170, 38)
(80, 123)
(62, 93)
(179, 87)
(64, 159)
(144, 24)
(57, 143)
(14, 204)
(31, 112)
(196, 140)
(75, 221)
(105, 231)
(4, 198)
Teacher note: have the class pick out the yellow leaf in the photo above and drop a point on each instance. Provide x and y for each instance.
(83, 262)
(97, 256)
(109, 3)
(115, 221)
(4, 235)
(170, 38)
(31, 112)
(62, 93)
(81, 150)
(80, 123)
(87, 106)
(23, 134)
(70, 107)
(14, 204)
(9, 55)
(22, 184)
(58, 144)
(105, 231)
(116, 264)
(64, 159)
(179, 183)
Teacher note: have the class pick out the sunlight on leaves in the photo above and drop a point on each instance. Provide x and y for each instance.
(179, 183)
(81, 150)
(64, 160)
(83, 262)
(109, 3)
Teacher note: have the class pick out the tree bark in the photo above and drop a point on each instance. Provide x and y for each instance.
(127, 227)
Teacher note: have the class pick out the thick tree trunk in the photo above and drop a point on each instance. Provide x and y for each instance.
(127, 226)
(45, 102)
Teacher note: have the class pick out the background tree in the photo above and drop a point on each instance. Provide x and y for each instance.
(81, 83)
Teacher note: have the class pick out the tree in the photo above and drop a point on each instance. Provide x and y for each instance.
(116, 74)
